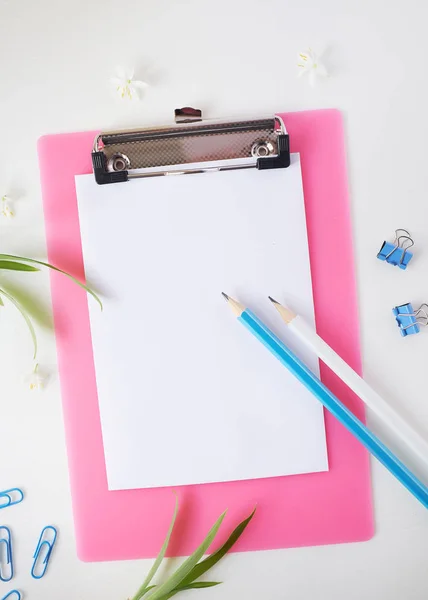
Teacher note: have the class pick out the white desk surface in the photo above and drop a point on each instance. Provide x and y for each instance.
(56, 59)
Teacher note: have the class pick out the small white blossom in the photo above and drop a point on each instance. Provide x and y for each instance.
(5, 208)
(126, 86)
(311, 64)
(36, 380)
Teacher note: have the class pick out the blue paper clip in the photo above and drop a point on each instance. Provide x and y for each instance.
(397, 253)
(16, 595)
(6, 568)
(11, 497)
(43, 544)
(409, 320)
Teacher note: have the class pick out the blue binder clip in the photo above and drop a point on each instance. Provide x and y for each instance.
(13, 594)
(6, 568)
(11, 497)
(409, 320)
(397, 253)
(44, 549)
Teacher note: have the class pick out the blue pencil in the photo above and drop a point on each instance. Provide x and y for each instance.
(329, 400)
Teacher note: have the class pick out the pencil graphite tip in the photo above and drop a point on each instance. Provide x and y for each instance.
(286, 314)
(236, 306)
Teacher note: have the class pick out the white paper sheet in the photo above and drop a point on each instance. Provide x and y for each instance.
(186, 394)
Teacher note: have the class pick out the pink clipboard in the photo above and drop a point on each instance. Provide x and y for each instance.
(301, 510)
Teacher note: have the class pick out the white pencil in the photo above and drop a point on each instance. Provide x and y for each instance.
(361, 388)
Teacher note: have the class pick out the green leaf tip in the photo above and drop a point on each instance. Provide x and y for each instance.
(192, 586)
(184, 577)
(12, 265)
(32, 261)
(181, 573)
(214, 558)
(145, 586)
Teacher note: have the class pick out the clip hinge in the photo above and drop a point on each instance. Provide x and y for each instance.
(282, 160)
(102, 175)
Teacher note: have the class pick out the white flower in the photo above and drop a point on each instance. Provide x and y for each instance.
(311, 64)
(5, 208)
(36, 380)
(126, 86)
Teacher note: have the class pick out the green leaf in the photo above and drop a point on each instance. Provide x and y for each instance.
(150, 587)
(27, 320)
(182, 572)
(1, 302)
(12, 265)
(198, 585)
(45, 264)
(211, 560)
(192, 586)
(144, 588)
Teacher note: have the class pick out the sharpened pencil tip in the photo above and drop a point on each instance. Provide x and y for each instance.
(286, 314)
(237, 308)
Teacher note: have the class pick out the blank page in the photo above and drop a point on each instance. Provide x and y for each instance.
(186, 394)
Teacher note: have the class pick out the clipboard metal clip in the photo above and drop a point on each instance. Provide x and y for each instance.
(119, 156)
